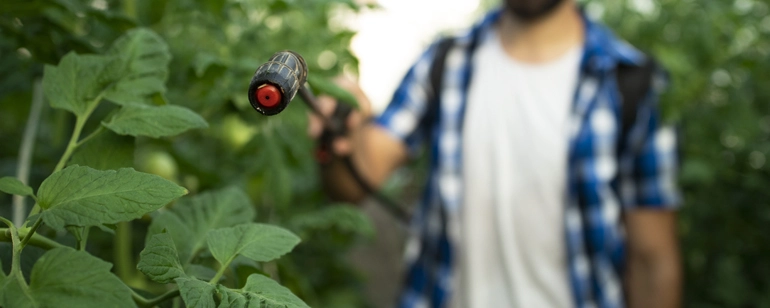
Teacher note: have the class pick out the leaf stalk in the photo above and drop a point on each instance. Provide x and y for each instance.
(31, 232)
(220, 272)
(143, 302)
(36, 240)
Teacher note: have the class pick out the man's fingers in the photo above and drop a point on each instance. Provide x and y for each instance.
(342, 146)
(314, 126)
(326, 106)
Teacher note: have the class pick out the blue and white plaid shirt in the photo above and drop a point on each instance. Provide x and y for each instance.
(600, 180)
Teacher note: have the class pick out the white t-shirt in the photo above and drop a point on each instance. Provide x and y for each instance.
(515, 148)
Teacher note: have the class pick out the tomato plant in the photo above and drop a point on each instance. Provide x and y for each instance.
(245, 174)
(77, 198)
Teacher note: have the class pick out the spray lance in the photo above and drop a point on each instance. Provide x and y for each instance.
(274, 85)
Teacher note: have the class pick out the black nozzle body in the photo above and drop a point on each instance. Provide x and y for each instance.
(285, 70)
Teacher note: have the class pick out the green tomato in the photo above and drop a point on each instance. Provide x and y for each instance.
(157, 162)
(235, 132)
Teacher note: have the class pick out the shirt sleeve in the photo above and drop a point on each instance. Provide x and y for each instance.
(403, 116)
(650, 178)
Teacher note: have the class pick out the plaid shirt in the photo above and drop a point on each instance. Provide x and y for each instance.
(602, 181)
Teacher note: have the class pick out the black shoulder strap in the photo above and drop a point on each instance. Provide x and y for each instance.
(436, 79)
(634, 83)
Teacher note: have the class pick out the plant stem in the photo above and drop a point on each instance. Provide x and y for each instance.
(73, 144)
(84, 240)
(143, 302)
(91, 135)
(36, 240)
(31, 232)
(220, 272)
(25, 151)
(124, 263)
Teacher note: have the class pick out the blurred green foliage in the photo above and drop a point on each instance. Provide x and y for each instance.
(216, 47)
(717, 54)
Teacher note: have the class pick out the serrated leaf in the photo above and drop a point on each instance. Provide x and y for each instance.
(344, 217)
(192, 218)
(159, 260)
(230, 299)
(265, 292)
(84, 196)
(154, 121)
(141, 69)
(65, 277)
(76, 82)
(259, 242)
(104, 152)
(259, 291)
(196, 293)
(13, 186)
(16, 293)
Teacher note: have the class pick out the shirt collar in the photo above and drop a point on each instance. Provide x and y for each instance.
(602, 50)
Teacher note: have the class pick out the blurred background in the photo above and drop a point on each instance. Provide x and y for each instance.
(716, 52)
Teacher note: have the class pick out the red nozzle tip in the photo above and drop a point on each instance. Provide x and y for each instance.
(268, 95)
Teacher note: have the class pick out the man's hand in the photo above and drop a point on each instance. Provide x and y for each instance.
(341, 146)
(374, 152)
(653, 273)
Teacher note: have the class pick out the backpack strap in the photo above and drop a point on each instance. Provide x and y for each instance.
(436, 80)
(634, 83)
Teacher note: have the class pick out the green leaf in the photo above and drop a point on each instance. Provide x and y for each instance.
(325, 86)
(259, 242)
(65, 277)
(196, 293)
(344, 217)
(231, 299)
(259, 291)
(76, 83)
(16, 293)
(192, 218)
(159, 260)
(13, 186)
(105, 152)
(154, 121)
(141, 69)
(83, 196)
(265, 292)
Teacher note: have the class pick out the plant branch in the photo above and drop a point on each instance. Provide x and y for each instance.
(72, 145)
(25, 151)
(143, 302)
(36, 240)
(93, 134)
(79, 123)
(31, 232)
(84, 240)
(220, 272)
(122, 253)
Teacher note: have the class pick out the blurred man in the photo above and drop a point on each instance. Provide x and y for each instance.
(535, 198)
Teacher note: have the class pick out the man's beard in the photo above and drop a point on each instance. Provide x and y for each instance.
(531, 10)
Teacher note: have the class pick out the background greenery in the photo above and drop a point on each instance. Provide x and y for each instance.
(716, 52)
